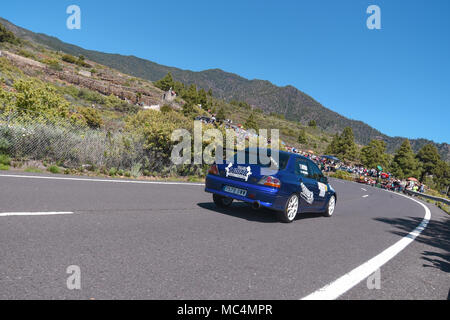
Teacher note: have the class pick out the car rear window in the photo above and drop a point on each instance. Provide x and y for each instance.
(259, 157)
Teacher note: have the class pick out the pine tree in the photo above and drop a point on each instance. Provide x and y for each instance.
(221, 114)
(202, 99)
(374, 154)
(346, 146)
(191, 95)
(251, 122)
(429, 157)
(405, 164)
(441, 175)
(165, 83)
(333, 145)
(302, 137)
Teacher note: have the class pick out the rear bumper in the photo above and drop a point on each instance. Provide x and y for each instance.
(267, 197)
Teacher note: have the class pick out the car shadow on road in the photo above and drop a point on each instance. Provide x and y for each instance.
(244, 211)
(436, 235)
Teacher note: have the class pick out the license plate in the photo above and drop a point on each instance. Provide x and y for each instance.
(233, 190)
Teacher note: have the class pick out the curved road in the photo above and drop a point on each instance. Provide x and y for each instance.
(169, 241)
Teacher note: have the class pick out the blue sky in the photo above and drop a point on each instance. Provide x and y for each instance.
(396, 79)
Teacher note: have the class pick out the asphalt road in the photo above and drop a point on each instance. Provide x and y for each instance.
(157, 241)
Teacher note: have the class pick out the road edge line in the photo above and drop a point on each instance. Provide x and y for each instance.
(102, 180)
(346, 282)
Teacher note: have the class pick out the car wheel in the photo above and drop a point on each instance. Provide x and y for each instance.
(222, 202)
(290, 210)
(330, 207)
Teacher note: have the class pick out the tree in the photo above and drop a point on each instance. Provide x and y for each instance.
(189, 110)
(405, 164)
(346, 146)
(302, 137)
(312, 124)
(374, 154)
(251, 122)
(202, 99)
(191, 95)
(221, 114)
(332, 147)
(165, 83)
(441, 175)
(7, 36)
(429, 157)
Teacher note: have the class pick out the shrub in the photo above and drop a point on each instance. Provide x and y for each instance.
(33, 170)
(5, 160)
(117, 104)
(53, 64)
(166, 108)
(54, 169)
(69, 58)
(112, 172)
(136, 170)
(343, 175)
(7, 36)
(92, 117)
(26, 54)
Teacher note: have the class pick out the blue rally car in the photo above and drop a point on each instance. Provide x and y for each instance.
(297, 186)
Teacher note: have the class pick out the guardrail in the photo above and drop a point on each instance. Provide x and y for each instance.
(418, 194)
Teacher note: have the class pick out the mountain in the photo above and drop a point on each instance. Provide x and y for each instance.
(288, 100)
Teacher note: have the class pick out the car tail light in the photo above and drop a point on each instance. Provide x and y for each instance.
(213, 170)
(271, 182)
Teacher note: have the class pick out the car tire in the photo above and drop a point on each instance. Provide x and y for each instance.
(331, 205)
(291, 209)
(222, 202)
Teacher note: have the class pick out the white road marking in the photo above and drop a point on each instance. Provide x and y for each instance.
(101, 180)
(337, 288)
(363, 189)
(9, 214)
(365, 196)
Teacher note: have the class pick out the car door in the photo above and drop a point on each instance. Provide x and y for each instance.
(308, 187)
(317, 186)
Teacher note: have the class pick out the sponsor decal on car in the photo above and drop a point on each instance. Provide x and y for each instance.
(322, 188)
(306, 194)
(238, 172)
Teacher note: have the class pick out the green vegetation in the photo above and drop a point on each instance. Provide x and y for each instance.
(295, 104)
(343, 146)
(54, 169)
(5, 162)
(251, 122)
(302, 137)
(33, 170)
(7, 36)
(105, 134)
(53, 64)
(166, 108)
(221, 114)
(78, 61)
(405, 164)
(374, 154)
(92, 117)
(343, 175)
(429, 157)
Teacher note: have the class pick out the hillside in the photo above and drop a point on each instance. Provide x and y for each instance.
(288, 101)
